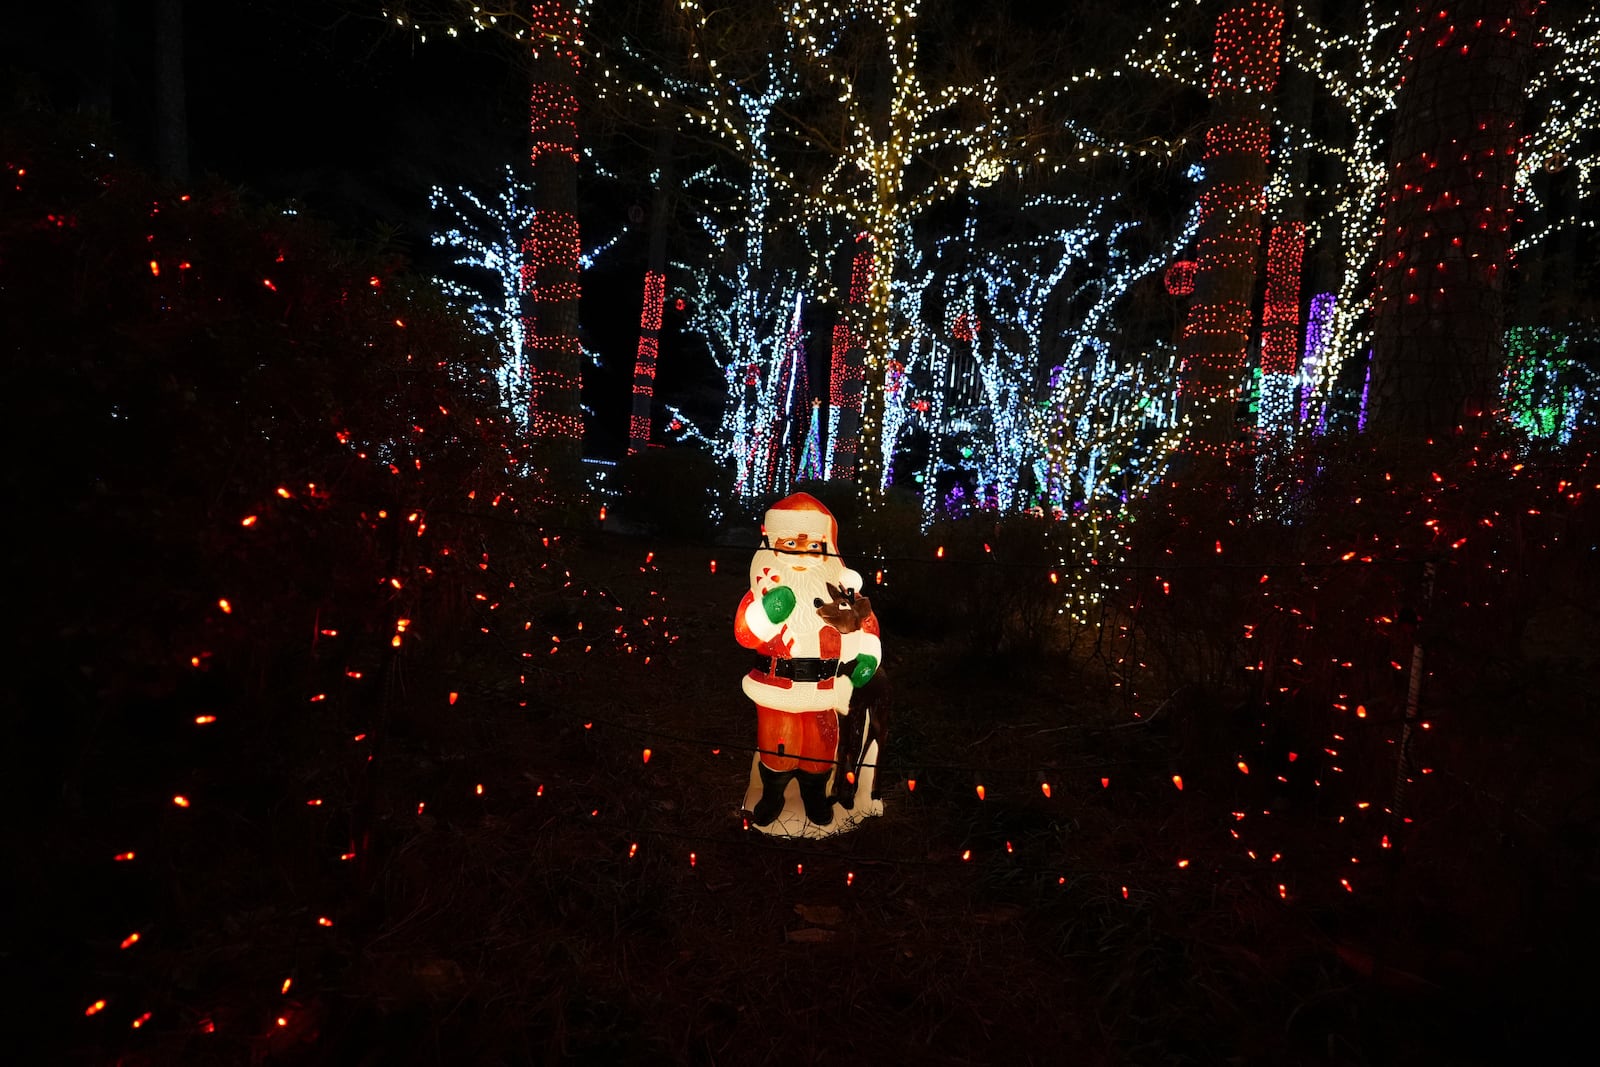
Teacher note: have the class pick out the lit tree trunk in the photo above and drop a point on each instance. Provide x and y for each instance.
(551, 253)
(1286, 246)
(847, 388)
(1214, 346)
(875, 369)
(655, 291)
(1446, 246)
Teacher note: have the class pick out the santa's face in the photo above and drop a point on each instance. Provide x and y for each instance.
(801, 562)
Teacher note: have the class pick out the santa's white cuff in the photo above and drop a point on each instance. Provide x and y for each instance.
(755, 617)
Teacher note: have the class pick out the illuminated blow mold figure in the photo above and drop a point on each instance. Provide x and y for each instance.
(817, 645)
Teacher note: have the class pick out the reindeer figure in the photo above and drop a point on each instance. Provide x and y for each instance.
(865, 727)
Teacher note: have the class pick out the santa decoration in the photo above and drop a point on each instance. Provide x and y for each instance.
(817, 646)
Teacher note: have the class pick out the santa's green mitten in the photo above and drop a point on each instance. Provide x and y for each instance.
(866, 667)
(778, 602)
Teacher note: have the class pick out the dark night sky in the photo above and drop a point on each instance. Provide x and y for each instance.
(350, 116)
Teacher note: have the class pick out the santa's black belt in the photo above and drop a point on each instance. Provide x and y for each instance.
(803, 669)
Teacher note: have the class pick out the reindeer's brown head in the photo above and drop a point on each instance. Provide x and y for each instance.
(846, 612)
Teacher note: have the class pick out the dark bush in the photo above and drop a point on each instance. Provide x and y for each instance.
(1286, 624)
(245, 456)
(681, 493)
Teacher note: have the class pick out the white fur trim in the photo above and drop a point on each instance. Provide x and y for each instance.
(755, 617)
(801, 696)
(801, 513)
(851, 579)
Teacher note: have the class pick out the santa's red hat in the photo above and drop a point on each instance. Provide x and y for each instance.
(801, 513)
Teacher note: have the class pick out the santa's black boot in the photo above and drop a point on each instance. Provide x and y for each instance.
(773, 783)
(814, 794)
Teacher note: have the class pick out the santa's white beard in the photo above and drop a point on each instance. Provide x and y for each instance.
(809, 585)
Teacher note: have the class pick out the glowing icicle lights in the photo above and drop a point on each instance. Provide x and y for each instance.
(487, 238)
(1319, 340)
(487, 235)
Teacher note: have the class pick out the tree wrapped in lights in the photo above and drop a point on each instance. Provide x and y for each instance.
(1348, 79)
(996, 411)
(1115, 416)
(1216, 335)
(744, 291)
(1445, 254)
(750, 317)
(551, 253)
(847, 363)
(872, 145)
(1564, 143)
(1280, 333)
(1004, 312)
(759, 350)
(655, 294)
(1356, 56)
(487, 237)
(487, 240)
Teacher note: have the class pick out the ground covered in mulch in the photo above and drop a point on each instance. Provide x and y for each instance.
(551, 893)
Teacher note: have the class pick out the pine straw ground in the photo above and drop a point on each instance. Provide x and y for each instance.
(512, 926)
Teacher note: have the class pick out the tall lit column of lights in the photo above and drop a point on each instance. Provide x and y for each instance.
(811, 456)
(1445, 255)
(912, 344)
(644, 366)
(839, 342)
(792, 394)
(1280, 331)
(1355, 74)
(551, 255)
(847, 377)
(956, 292)
(1319, 342)
(487, 236)
(1216, 334)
